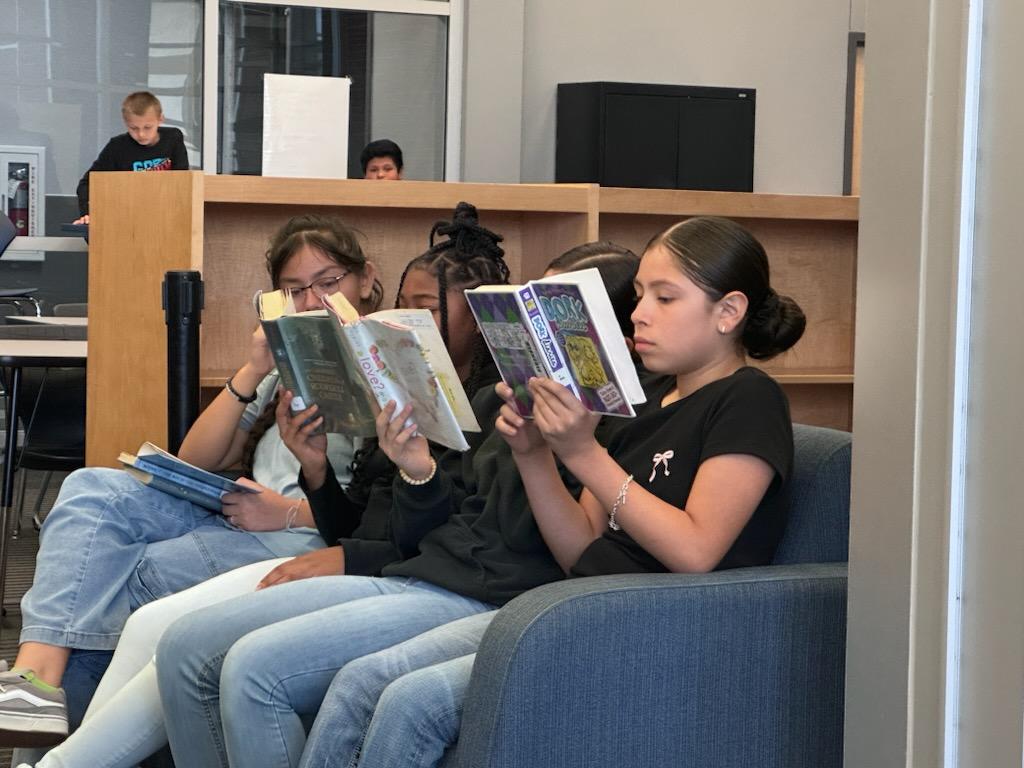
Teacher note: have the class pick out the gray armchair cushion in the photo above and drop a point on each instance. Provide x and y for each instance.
(731, 669)
(734, 669)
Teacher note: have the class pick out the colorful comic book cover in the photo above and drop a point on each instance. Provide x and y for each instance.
(574, 332)
(510, 342)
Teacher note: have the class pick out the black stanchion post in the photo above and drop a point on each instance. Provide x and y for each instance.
(183, 306)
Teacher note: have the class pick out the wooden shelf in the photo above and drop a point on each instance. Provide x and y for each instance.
(429, 195)
(681, 202)
(147, 224)
(812, 378)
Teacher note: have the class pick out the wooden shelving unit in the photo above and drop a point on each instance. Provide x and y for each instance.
(812, 247)
(149, 223)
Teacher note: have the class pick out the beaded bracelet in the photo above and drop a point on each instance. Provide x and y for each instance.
(619, 501)
(422, 480)
(229, 385)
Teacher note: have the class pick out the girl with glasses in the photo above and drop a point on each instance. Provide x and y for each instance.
(125, 722)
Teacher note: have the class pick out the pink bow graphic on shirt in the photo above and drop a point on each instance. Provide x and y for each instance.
(660, 459)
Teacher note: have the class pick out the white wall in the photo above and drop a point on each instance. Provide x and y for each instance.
(792, 51)
(408, 85)
(493, 92)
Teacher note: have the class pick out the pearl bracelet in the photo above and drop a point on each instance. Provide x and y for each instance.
(422, 480)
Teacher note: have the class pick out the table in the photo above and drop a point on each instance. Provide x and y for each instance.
(16, 354)
(47, 320)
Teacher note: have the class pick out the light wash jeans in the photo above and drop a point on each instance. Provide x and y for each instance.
(111, 544)
(235, 679)
(413, 693)
(424, 707)
(125, 721)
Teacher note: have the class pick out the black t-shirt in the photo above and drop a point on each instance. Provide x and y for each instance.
(663, 448)
(123, 153)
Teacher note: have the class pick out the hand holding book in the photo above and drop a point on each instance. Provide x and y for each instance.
(300, 432)
(398, 438)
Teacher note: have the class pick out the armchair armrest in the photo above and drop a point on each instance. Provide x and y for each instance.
(733, 668)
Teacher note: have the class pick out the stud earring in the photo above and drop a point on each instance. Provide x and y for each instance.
(721, 329)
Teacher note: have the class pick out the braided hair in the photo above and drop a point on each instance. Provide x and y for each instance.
(331, 237)
(468, 257)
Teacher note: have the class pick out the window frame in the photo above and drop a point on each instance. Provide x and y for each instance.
(454, 10)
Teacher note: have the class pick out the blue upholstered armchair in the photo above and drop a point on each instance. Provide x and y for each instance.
(740, 668)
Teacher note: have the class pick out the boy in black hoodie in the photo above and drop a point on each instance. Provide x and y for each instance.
(145, 147)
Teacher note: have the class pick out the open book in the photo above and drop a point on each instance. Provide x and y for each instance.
(159, 469)
(350, 367)
(562, 327)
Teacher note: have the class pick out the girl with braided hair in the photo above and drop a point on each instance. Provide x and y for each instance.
(471, 544)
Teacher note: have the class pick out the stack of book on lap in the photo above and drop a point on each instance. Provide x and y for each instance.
(159, 469)
(350, 367)
(562, 327)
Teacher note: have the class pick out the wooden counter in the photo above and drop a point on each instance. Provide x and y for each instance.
(146, 224)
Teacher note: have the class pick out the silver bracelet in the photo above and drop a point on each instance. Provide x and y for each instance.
(290, 515)
(619, 501)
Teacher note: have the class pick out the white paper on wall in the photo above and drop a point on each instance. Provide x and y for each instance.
(305, 126)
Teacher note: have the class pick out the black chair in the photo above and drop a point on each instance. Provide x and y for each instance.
(52, 416)
(14, 296)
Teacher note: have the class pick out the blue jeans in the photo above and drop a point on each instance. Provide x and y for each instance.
(421, 710)
(236, 678)
(103, 527)
(424, 706)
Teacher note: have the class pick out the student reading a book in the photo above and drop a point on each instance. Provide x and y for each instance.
(696, 483)
(343, 718)
(125, 721)
(145, 146)
(481, 549)
(111, 543)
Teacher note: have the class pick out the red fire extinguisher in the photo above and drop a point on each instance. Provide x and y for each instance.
(17, 193)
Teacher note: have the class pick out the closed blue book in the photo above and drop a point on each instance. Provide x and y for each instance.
(159, 469)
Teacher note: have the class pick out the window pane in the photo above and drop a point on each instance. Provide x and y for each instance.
(397, 63)
(66, 65)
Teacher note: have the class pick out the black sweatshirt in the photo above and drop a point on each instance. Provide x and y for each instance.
(479, 537)
(123, 153)
(360, 520)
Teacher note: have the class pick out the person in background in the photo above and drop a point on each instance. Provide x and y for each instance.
(382, 160)
(144, 147)
(111, 544)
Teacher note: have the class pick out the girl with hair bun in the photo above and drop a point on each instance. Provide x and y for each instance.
(697, 482)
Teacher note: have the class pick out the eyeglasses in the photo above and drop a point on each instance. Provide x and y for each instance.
(325, 286)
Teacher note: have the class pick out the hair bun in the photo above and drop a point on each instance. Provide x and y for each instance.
(465, 213)
(775, 326)
(468, 240)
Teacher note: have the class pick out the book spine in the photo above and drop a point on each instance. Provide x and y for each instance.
(201, 493)
(286, 370)
(553, 359)
(181, 492)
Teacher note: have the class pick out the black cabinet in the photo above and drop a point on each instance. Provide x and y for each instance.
(655, 136)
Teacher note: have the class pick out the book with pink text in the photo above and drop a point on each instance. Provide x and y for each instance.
(351, 366)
